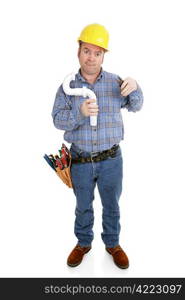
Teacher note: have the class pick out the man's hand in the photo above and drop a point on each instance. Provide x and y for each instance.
(89, 108)
(129, 85)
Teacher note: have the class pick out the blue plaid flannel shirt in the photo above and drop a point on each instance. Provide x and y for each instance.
(110, 129)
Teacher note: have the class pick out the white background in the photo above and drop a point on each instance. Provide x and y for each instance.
(38, 48)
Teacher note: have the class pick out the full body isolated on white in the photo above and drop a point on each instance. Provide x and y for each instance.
(96, 153)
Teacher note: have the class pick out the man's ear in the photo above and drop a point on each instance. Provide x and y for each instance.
(103, 57)
(78, 51)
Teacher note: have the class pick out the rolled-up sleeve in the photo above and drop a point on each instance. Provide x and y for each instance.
(135, 100)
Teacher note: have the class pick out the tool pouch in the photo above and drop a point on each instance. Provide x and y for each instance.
(65, 174)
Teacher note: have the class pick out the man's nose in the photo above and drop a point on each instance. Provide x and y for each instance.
(91, 57)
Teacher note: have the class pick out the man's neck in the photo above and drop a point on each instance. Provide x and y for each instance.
(90, 78)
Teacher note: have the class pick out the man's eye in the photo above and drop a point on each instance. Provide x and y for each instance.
(86, 51)
(98, 54)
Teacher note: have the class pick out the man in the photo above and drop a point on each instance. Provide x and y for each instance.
(96, 154)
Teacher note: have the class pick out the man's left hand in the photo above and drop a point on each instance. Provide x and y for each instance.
(129, 85)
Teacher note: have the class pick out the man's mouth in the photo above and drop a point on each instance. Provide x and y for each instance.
(89, 65)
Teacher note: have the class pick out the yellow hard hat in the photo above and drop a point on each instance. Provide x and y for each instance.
(95, 34)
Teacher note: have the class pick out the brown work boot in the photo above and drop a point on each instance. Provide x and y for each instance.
(119, 256)
(76, 256)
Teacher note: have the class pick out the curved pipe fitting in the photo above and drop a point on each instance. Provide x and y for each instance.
(85, 92)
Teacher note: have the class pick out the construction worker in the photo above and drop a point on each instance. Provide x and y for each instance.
(96, 153)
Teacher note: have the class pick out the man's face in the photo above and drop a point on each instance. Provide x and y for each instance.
(90, 58)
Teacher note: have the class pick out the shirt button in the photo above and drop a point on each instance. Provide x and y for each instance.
(94, 144)
(94, 129)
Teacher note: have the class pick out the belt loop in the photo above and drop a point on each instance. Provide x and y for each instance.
(77, 149)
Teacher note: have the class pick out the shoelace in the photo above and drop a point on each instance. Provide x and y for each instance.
(78, 247)
(118, 248)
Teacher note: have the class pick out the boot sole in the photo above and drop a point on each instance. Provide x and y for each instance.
(78, 263)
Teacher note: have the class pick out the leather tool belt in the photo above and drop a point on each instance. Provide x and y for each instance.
(96, 156)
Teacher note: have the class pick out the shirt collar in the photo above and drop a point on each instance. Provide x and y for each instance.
(80, 77)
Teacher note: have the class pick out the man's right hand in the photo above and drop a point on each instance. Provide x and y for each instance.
(89, 108)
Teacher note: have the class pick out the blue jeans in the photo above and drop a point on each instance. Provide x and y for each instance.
(108, 175)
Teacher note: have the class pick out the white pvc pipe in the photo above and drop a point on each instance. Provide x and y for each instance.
(85, 92)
